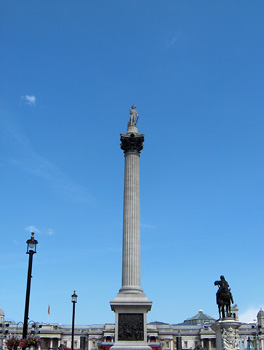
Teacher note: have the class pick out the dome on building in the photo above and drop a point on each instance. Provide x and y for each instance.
(199, 319)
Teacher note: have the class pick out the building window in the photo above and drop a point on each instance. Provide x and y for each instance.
(185, 344)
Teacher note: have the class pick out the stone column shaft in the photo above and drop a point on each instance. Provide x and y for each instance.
(131, 144)
(131, 224)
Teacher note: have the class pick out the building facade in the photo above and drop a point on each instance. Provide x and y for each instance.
(193, 333)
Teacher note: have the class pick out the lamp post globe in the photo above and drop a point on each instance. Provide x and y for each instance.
(74, 301)
(74, 297)
(31, 250)
(32, 244)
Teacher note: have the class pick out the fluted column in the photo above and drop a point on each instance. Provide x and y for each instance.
(132, 144)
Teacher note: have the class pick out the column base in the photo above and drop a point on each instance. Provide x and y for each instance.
(132, 298)
(130, 307)
(129, 346)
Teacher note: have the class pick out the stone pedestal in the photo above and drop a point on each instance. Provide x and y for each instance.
(227, 335)
(131, 304)
(131, 322)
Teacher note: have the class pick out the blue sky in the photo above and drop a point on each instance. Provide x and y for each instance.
(70, 71)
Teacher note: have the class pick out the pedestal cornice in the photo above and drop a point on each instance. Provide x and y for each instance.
(132, 301)
(226, 323)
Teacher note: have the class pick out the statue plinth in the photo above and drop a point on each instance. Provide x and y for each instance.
(227, 334)
(132, 129)
(131, 321)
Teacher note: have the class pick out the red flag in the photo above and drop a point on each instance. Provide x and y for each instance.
(49, 309)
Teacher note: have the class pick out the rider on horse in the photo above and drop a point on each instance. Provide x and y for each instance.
(223, 297)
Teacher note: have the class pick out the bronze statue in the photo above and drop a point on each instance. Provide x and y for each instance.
(223, 298)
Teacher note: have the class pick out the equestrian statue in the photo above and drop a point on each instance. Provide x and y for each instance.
(223, 298)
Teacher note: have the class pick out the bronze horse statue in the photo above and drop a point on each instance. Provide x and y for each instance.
(223, 298)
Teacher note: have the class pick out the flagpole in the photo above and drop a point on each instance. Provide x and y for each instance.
(48, 313)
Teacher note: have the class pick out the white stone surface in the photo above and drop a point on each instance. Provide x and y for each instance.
(227, 334)
(132, 346)
(131, 224)
(132, 129)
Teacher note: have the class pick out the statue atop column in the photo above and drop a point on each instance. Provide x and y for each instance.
(133, 116)
(223, 298)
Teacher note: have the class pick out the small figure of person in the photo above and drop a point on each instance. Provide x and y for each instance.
(133, 115)
(223, 286)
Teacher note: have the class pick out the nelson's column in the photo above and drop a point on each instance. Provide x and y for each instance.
(131, 304)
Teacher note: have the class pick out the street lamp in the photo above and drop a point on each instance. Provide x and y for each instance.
(31, 250)
(74, 301)
(256, 334)
(3, 332)
(248, 343)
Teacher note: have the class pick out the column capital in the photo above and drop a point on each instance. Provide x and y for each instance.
(132, 143)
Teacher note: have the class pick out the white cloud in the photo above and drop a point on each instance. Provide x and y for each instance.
(249, 315)
(50, 231)
(173, 41)
(177, 40)
(148, 226)
(30, 161)
(30, 99)
(32, 229)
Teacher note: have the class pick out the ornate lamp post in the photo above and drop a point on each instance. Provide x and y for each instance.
(74, 301)
(256, 334)
(3, 332)
(31, 250)
(248, 343)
